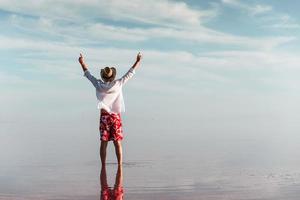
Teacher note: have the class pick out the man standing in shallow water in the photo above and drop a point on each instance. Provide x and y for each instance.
(111, 104)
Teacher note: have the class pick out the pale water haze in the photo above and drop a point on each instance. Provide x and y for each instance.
(212, 113)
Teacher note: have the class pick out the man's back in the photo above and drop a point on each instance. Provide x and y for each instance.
(109, 94)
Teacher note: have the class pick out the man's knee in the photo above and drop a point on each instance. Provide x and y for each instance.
(117, 143)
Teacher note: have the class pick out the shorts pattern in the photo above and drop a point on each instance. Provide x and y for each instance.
(112, 193)
(110, 126)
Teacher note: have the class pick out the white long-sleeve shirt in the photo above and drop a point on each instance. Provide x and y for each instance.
(109, 94)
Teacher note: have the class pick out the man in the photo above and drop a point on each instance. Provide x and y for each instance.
(111, 104)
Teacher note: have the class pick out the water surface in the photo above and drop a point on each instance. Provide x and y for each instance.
(208, 164)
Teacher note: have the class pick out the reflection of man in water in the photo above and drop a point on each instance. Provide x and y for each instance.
(111, 104)
(108, 193)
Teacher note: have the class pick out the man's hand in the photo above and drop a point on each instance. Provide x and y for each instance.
(81, 61)
(139, 57)
(137, 62)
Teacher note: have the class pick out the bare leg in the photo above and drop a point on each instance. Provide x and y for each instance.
(103, 152)
(118, 149)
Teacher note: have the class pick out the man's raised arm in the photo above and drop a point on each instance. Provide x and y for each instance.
(81, 61)
(87, 73)
(138, 61)
(131, 71)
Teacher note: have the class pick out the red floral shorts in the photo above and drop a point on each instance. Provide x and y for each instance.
(110, 126)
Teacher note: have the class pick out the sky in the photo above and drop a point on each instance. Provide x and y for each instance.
(215, 66)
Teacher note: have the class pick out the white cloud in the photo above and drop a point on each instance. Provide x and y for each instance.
(286, 26)
(58, 58)
(155, 12)
(254, 9)
(284, 22)
(164, 12)
(203, 69)
(99, 32)
(278, 61)
(259, 9)
(22, 22)
(11, 79)
(265, 13)
(172, 15)
(234, 2)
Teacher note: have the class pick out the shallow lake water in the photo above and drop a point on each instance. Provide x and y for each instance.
(63, 165)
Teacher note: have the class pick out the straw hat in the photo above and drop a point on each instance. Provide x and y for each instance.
(108, 74)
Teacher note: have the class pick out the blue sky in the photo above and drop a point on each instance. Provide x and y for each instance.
(212, 54)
